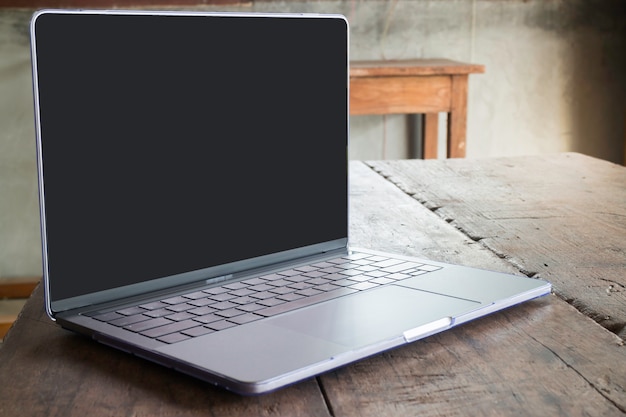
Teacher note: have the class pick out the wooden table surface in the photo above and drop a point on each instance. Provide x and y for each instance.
(561, 217)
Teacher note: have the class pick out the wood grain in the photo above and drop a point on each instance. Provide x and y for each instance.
(389, 95)
(430, 133)
(17, 287)
(457, 120)
(421, 67)
(560, 216)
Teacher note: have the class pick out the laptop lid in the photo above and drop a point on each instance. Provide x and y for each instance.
(148, 125)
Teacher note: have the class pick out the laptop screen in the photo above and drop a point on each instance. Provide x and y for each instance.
(175, 143)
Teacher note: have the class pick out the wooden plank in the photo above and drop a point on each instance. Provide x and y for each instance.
(559, 216)
(414, 94)
(435, 66)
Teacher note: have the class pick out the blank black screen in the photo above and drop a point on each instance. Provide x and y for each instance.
(176, 143)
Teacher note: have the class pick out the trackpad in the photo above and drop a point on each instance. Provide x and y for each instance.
(372, 316)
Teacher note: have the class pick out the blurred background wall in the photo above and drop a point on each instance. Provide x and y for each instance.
(555, 81)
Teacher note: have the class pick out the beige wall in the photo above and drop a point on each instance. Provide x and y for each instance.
(555, 81)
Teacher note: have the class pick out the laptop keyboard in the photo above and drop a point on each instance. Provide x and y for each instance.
(213, 309)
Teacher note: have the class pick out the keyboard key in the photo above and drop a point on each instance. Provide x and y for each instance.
(221, 325)
(197, 331)
(322, 265)
(280, 282)
(382, 281)
(345, 282)
(331, 270)
(360, 278)
(281, 290)
(306, 301)
(225, 305)
(131, 311)
(309, 292)
(126, 320)
(173, 338)
(231, 312)
(366, 268)
(180, 307)
(208, 318)
(242, 292)
(376, 274)
(235, 286)
(174, 300)
(335, 276)
(246, 318)
(215, 290)
(148, 324)
(263, 295)
(180, 316)
(290, 297)
(363, 286)
(243, 300)
(251, 307)
(201, 311)
(154, 305)
(262, 287)
(270, 302)
(336, 261)
(351, 272)
(272, 277)
(318, 281)
(201, 302)
(326, 287)
(108, 316)
(222, 297)
(300, 285)
(195, 295)
(158, 313)
(314, 274)
(398, 276)
(298, 278)
(169, 328)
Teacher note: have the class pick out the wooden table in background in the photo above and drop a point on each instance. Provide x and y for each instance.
(562, 217)
(426, 86)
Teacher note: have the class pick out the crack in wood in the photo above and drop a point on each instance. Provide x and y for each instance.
(602, 391)
(325, 397)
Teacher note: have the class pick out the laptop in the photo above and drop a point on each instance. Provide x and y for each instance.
(193, 184)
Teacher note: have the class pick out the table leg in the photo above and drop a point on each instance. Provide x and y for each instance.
(430, 135)
(457, 119)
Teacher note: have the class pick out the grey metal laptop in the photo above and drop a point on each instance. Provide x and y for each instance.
(194, 199)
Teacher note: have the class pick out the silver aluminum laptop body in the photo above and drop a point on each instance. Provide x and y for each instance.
(194, 210)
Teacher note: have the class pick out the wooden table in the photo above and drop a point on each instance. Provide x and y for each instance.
(562, 217)
(426, 86)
